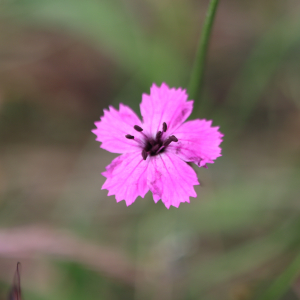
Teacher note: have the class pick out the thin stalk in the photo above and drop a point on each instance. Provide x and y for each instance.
(196, 79)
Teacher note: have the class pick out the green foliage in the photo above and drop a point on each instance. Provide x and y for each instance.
(270, 53)
(112, 26)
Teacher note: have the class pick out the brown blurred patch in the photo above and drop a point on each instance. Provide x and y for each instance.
(54, 69)
(289, 134)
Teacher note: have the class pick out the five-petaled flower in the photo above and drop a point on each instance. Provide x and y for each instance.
(155, 151)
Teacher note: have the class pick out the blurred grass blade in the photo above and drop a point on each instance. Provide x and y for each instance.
(259, 68)
(245, 258)
(283, 282)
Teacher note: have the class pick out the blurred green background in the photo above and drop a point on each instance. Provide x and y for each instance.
(61, 63)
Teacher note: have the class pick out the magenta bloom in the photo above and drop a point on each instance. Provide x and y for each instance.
(155, 152)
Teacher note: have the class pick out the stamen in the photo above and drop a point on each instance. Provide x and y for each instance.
(152, 142)
(130, 137)
(138, 128)
(144, 154)
(167, 142)
(165, 127)
(158, 135)
(155, 148)
(174, 138)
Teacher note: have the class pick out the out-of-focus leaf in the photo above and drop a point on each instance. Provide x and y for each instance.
(245, 258)
(230, 209)
(261, 65)
(283, 282)
(112, 26)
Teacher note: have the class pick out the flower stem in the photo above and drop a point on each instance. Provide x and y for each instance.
(196, 79)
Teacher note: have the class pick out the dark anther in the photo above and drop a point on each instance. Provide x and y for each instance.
(174, 138)
(158, 135)
(167, 142)
(144, 154)
(165, 126)
(155, 148)
(152, 142)
(138, 128)
(130, 137)
(155, 145)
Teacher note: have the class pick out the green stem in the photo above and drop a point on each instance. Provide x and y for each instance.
(196, 79)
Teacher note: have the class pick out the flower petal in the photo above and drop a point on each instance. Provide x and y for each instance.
(198, 142)
(127, 177)
(113, 127)
(114, 164)
(171, 179)
(164, 105)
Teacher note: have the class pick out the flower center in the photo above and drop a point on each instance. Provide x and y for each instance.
(153, 146)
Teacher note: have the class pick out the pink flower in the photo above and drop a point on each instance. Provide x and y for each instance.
(155, 152)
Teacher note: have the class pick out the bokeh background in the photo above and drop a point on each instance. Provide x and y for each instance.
(61, 63)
